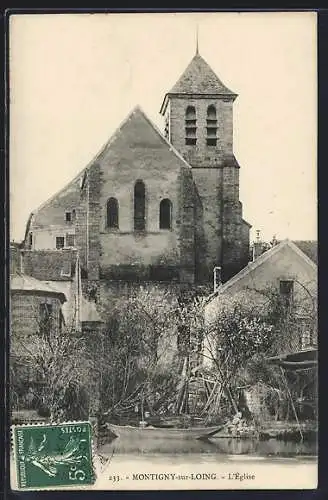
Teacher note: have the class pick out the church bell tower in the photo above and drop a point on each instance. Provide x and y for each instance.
(198, 115)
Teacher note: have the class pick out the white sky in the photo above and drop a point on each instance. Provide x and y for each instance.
(75, 77)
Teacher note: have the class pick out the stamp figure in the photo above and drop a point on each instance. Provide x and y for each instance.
(53, 455)
(163, 253)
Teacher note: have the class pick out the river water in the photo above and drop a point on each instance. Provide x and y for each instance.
(219, 463)
(215, 447)
(216, 464)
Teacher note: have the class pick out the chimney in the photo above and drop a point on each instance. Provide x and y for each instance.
(257, 245)
(274, 241)
(217, 282)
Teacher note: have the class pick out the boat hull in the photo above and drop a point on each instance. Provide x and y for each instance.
(130, 432)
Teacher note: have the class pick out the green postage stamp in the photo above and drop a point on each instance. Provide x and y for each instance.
(47, 456)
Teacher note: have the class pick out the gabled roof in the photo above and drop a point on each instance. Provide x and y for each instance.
(22, 283)
(309, 247)
(251, 266)
(136, 113)
(81, 176)
(199, 78)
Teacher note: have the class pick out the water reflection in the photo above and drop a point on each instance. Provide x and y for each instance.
(270, 447)
(214, 446)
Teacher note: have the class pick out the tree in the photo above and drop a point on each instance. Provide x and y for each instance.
(139, 353)
(251, 326)
(55, 367)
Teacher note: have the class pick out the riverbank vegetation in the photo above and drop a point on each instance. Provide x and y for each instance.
(157, 356)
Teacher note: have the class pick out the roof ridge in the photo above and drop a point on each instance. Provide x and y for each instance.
(303, 254)
(197, 58)
(259, 261)
(172, 148)
(83, 171)
(135, 109)
(40, 285)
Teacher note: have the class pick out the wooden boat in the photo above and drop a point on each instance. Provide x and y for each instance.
(150, 432)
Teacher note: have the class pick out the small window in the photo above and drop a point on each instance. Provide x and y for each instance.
(211, 142)
(30, 239)
(112, 213)
(60, 242)
(68, 216)
(165, 214)
(66, 270)
(70, 240)
(286, 291)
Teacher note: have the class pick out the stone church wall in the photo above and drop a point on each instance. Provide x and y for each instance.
(138, 152)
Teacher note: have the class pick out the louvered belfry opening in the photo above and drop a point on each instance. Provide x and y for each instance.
(191, 126)
(139, 206)
(211, 126)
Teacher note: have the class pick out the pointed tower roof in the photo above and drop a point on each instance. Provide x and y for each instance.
(199, 79)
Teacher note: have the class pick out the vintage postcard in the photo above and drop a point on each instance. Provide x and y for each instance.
(163, 254)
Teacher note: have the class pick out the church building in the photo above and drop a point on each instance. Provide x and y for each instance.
(156, 207)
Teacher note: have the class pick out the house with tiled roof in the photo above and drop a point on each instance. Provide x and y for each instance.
(46, 303)
(284, 268)
(34, 307)
(154, 206)
(54, 272)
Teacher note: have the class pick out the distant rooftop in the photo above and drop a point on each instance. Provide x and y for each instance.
(50, 265)
(23, 283)
(309, 247)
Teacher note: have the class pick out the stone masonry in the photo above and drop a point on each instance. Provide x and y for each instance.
(199, 181)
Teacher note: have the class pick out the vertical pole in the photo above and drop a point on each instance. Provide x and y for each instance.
(291, 401)
(142, 406)
(197, 49)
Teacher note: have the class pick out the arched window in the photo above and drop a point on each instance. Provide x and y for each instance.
(165, 214)
(139, 206)
(211, 126)
(191, 126)
(112, 213)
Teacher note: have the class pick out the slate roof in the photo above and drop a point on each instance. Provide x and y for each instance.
(81, 177)
(138, 114)
(199, 78)
(258, 262)
(23, 283)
